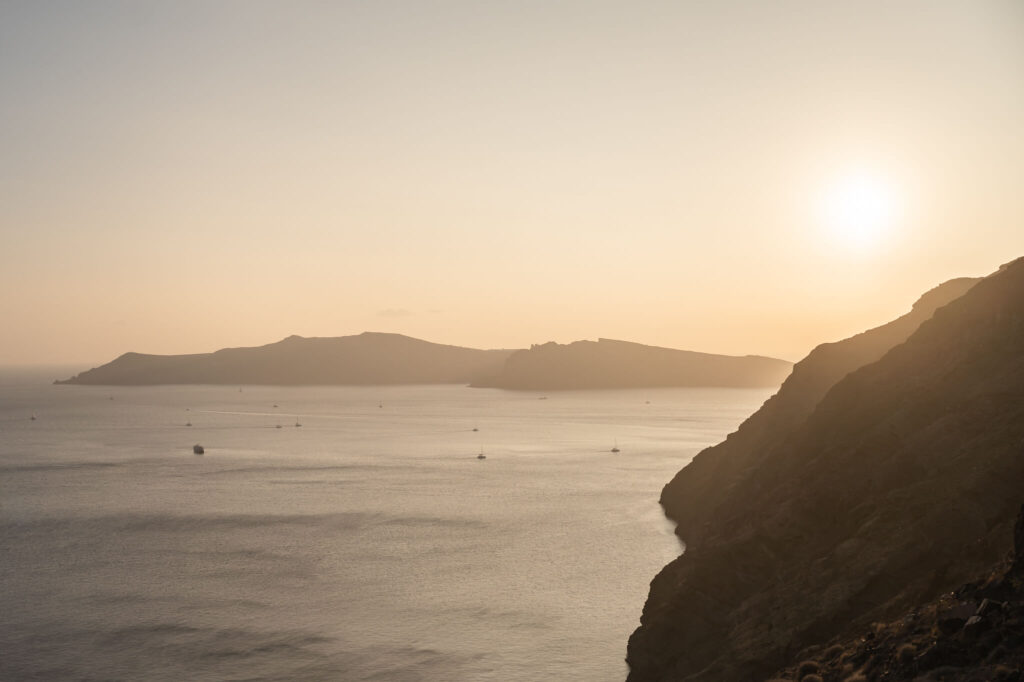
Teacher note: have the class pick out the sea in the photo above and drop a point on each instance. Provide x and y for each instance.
(335, 533)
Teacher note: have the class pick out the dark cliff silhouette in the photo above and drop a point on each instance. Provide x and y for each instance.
(887, 471)
(973, 634)
(620, 364)
(367, 359)
(690, 498)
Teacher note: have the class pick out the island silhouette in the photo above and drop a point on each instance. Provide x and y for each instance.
(606, 363)
(369, 358)
(374, 358)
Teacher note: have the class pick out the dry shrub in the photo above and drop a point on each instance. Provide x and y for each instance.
(806, 669)
(832, 652)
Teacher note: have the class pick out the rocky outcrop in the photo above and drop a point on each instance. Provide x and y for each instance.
(974, 634)
(606, 363)
(369, 358)
(885, 472)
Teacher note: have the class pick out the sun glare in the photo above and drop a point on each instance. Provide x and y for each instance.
(859, 210)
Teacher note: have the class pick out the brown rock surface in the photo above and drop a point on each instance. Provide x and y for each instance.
(841, 504)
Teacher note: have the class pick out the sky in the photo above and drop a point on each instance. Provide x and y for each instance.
(729, 177)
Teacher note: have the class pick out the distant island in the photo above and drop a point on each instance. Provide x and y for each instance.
(865, 523)
(375, 358)
(371, 358)
(606, 363)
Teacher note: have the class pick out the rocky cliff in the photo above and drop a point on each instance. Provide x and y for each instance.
(620, 364)
(886, 471)
(973, 634)
(369, 358)
(690, 498)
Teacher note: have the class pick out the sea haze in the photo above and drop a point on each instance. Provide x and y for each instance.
(367, 543)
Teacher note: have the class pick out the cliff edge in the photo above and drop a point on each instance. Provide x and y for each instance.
(885, 472)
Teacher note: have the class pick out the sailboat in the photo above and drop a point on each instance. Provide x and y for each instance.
(616, 448)
(481, 455)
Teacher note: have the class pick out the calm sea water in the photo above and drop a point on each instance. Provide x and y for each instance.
(369, 543)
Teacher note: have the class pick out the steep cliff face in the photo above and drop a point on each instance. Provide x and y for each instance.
(974, 634)
(606, 363)
(851, 495)
(690, 498)
(368, 358)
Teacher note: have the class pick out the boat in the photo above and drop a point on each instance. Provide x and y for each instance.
(198, 449)
(616, 448)
(278, 426)
(188, 423)
(297, 424)
(33, 417)
(481, 455)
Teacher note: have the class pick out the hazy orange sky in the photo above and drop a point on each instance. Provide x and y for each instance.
(178, 177)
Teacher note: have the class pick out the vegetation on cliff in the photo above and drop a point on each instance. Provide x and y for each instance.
(974, 634)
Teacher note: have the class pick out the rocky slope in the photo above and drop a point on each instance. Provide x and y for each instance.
(851, 495)
(621, 364)
(369, 358)
(975, 634)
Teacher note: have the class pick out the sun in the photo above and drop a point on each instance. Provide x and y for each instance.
(859, 209)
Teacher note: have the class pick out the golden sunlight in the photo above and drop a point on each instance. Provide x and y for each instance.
(859, 209)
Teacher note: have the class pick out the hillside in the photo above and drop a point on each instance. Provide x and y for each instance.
(689, 499)
(973, 634)
(369, 358)
(620, 364)
(886, 472)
